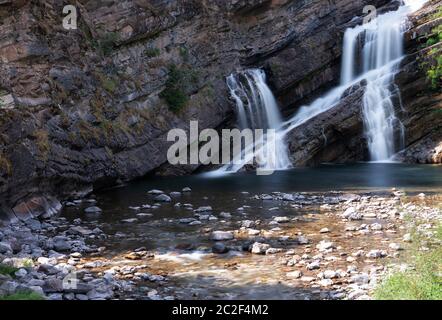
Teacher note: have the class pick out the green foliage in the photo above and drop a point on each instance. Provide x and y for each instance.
(23, 295)
(108, 43)
(184, 53)
(424, 282)
(177, 85)
(7, 270)
(434, 73)
(108, 83)
(152, 52)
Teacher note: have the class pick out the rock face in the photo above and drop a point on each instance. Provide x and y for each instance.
(423, 118)
(83, 108)
(86, 108)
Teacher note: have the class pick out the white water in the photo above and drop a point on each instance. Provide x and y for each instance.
(382, 51)
(257, 108)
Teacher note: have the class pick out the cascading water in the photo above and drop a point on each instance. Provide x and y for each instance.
(381, 52)
(257, 109)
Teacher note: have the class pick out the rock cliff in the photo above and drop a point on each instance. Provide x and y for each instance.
(86, 108)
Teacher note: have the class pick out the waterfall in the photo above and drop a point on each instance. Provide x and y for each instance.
(256, 108)
(376, 62)
(382, 50)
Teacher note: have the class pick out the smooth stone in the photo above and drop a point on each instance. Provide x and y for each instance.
(220, 248)
(175, 194)
(281, 219)
(203, 209)
(259, 248)
(395, 246)
(221, 235)
(155, 192)
(302, 240)
(132, 220)
(186, 189)
(294, 274)
(163, 198)
(324, 230)
(5, 248)
(93, 209)
(225, 215)
(314, 265)
(325, 245)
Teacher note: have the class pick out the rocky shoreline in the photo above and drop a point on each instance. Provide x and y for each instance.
(354, 240)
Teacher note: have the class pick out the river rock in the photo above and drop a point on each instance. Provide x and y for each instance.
(203, 209)
(247, 224)
(376, 254)
(220, 248)
(155, 192)
(259, 248)
(163, 198)
(5, 248)
(302, 240)
(221, 235)
(314, 265)
(352, 214)
(225, 215)
(294, 274)
(395, 246)
(186, 189)
(93, 210)
(325, 245)
(281, 219)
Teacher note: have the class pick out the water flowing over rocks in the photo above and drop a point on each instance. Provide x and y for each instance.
(343, 263)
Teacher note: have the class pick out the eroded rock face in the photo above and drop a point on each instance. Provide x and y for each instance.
(80, 109)
(83, 107)
(423, 117)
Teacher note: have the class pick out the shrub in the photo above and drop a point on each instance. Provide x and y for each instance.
(7, 270)
(152, 52)
(175, 92)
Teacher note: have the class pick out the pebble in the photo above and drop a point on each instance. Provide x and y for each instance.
(220, 248)
(281, 219)
(294, 274)
(324, 245)
(203, 209)
(92, 210)
(221, 235)
(163, 198)
(259, 248)
(324, 230)
(395, 246)
(225, 215)
(155, 192)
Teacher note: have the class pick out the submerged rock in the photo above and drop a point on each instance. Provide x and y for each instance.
(220, 248)
(221, 235)
(92, 210)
